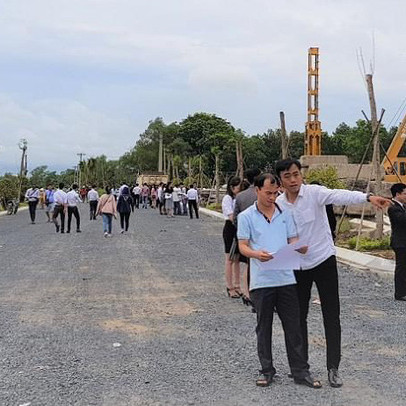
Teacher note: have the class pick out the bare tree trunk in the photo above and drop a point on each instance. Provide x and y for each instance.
(189, 169)
(160, 152)
(169, 166)
(376, 155)
(200, 172)
(284, 138)
(164, 159)
(217, 180)
(240, 161)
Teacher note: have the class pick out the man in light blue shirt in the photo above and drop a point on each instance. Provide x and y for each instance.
(262, 229)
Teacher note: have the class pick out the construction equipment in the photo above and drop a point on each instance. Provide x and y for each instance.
(395, 158)
(313, 125)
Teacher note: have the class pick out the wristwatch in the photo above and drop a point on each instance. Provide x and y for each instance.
(369, 197)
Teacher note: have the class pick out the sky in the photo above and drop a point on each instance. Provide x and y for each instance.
(88, 75)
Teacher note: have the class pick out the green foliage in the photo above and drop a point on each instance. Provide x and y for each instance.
(9, 186)
(325, 176)
(214, 206)
(368, 244)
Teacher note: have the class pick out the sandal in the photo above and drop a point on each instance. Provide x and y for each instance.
(232, 293)
(308, 381)
(264, 380)
(238, 291)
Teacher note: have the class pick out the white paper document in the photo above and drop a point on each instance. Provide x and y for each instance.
(284, 259)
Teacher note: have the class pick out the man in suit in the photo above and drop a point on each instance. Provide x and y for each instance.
(397, 216)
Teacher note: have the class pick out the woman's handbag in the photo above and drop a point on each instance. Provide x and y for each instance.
(234, 250)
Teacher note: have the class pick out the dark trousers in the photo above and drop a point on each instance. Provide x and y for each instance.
(125, 218)
(326, 278)
(75, 212)
(32, 206)
(176, 208)
(93, 208)
(193, 205)
(285, 300)
(59, 210)
(137, 201)
(400, 272)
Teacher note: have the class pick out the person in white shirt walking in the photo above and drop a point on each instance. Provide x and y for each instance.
(32, 195)
(176, 200)
(93, 198)
(192, 199)
(307, 205)
(73, 199)
(61, 202)
(137, 194)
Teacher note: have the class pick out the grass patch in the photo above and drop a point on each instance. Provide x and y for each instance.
(368, 244)
(215, 207)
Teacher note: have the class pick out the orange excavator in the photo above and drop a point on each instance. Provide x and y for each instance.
(395, 159)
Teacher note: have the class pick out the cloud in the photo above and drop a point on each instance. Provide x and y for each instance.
(77, 73)
(58, 129)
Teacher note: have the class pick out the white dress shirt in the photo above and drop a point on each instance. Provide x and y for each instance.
(32, 194)
(92, 195)
(137, 190)
(60, 197)
(227, 206)
(192, 194)
(73, 198)
(175, 194)
(309, 214)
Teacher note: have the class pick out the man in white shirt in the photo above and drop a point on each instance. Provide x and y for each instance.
(32, 195)
(176, 200)
(61, 202)
(72, 199)
(160, 198)
(307, 205)
(192, 199)
(137, 194)
(93, 198)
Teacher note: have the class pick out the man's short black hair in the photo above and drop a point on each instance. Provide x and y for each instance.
(285, 165)
(251, 174)
(74, 186)
(61, 185)
(260, 180)
(397, 188)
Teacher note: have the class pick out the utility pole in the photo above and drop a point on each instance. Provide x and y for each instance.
(376, 153)
(23, 145)
(161, 143)
(284, 137)
(80, 155)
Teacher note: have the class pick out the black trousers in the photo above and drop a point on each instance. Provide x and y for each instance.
(400, 272)
(125, 218)
(93, 208)
(193, 205)
(285, 300)
(75, 212)
(32, 206)
(59, 210)
(137, 201)
(326, 278)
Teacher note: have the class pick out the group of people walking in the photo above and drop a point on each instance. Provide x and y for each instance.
(277, 210)
(170, 200)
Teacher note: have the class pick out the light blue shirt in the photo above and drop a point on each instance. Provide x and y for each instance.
(269, 237)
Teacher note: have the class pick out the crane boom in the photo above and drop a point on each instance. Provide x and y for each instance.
(395, 161)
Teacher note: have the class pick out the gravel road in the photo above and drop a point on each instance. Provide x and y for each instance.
(143, 319)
